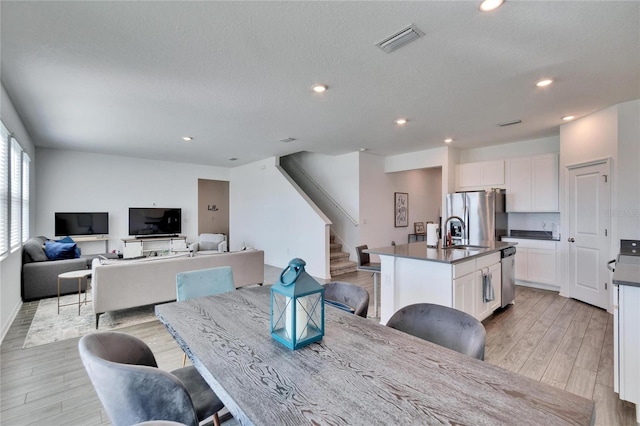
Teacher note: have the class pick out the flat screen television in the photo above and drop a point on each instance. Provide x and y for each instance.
(154, 221)
(81, 223)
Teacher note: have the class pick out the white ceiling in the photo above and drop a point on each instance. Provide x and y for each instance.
(132, 78)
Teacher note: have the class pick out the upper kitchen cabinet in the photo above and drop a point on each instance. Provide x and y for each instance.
(480, 175)
(532, 184)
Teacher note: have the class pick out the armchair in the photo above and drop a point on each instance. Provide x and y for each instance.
(209, 244)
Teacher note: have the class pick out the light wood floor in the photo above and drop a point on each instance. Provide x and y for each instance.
(549, 338)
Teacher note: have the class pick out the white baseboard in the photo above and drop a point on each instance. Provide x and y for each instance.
(12, 318)
(541, 286)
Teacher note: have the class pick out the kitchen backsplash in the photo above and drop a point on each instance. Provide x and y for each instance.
(533, 221)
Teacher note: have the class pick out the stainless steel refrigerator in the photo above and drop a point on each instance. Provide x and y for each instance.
(483, 215)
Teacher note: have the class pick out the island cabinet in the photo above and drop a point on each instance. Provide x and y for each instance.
(469, 283)
(454, 282)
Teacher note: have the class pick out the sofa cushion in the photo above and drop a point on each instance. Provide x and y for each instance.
(34, 250)
(208, 245)
(70, 240)
(59, 251)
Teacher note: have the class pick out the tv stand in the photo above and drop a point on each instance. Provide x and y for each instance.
(146, 237)
(149, 246)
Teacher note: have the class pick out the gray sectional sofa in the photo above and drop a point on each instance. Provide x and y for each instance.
(40, 275)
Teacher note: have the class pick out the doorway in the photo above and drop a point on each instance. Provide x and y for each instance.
(213, 207)
(589, 195)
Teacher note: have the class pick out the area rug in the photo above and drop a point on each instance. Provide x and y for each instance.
(48, 326)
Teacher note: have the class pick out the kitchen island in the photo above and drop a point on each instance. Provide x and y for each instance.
(454, 277)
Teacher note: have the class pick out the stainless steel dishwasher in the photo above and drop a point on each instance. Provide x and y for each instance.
(508, 256)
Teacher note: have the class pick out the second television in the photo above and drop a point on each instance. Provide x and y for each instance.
(154, 221)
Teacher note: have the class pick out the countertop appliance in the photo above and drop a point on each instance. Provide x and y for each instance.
(508, 256)
(483, 215)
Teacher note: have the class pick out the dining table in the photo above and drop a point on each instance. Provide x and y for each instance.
(360, 373)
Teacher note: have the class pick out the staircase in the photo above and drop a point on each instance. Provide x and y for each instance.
(339, 261)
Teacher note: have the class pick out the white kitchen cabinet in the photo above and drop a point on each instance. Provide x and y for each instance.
(627, 346)
(468, 286)
(464, 297)
(532, 184)
(535, 261)
(480, 175)
(483, 309)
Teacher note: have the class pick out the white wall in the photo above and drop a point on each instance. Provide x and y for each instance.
(338, 175)
(446, 158)
(78, 181)
(377, 187)
(11, 264)
(268, 212)
(511, 150)
(593, 137)
(627, 208)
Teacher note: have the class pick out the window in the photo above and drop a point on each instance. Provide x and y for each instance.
(4, 189)
(26, 162)
(14, 192)
(15, 214)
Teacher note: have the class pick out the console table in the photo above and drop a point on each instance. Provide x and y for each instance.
(138, 247)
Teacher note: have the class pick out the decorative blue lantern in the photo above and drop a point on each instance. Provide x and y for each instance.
(297, 307)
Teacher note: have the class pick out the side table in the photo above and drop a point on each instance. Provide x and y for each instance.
(84, 274)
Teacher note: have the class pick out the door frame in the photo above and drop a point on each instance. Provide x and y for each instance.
(565, 289)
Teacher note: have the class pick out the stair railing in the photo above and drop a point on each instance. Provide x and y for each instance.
(293, 163)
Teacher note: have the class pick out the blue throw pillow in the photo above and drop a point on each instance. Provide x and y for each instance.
(60, 251)
(70, 240)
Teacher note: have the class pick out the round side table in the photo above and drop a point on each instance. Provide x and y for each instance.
(84, 274)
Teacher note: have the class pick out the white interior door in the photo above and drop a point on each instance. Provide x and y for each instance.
(589, 199)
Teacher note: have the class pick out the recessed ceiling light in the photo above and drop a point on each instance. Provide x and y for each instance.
(363, 149)
(232, 159)
(489, 5)
(448, 140)
(287, 140)
(544, 83)
(568, 117)
(401, 121)
(187, 138)
(319, 88)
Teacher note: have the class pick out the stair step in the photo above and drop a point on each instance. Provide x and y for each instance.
(341, 268)
(338, 256)
(333, 247)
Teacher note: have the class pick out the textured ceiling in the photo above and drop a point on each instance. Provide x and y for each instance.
(132, 78)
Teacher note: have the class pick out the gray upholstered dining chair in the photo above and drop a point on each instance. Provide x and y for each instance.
(133, 389)
(347, 296)
(443, 326)
(365, 264)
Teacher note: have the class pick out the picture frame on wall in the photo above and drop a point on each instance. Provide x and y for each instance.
(401, 209)
(418, 228)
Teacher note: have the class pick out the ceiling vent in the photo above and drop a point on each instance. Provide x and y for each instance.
(400, 38)
(510, 123)
(287, 140)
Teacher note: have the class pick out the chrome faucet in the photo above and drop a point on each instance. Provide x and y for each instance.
(445, 242)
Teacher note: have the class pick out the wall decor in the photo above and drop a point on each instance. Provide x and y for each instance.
(418, 228)
(401, 209)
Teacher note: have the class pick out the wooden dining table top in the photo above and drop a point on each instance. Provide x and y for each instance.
(360, 373)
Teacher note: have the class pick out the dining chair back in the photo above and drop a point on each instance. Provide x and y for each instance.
(204, 282)
(133, 389)
(341, 294)
(443, 326)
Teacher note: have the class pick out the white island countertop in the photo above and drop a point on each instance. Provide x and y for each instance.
(420, 251)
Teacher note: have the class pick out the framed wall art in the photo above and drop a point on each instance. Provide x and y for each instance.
(401, 210)
(418, 228)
